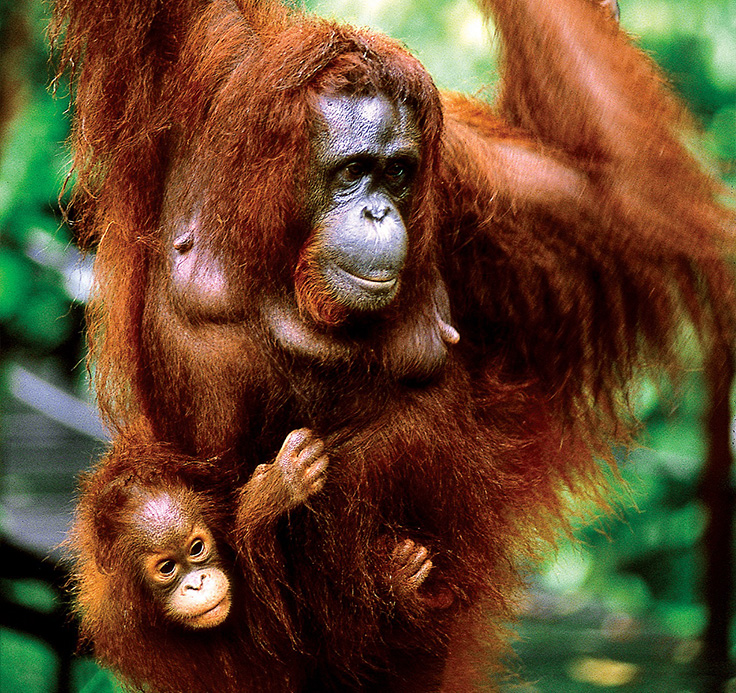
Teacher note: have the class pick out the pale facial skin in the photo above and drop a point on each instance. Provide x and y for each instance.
(182, 565)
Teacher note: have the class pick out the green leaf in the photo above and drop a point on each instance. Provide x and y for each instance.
(45, 320)
(15, 283)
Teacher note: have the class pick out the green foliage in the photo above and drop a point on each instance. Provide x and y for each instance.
(31, 593)
(646, 561)
(34, 301)
(27, 665)
(695, 42)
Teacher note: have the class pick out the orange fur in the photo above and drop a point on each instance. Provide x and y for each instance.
(574, 233)
(119, 617)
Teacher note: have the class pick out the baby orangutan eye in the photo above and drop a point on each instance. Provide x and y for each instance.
(167, 568)
(197, 548)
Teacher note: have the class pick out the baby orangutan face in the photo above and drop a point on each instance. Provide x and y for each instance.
(181, 564)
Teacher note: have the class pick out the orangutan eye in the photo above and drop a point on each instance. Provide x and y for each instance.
(399, 174)
(353, 171)
(197, 548)
(167, 568)
(396, 171)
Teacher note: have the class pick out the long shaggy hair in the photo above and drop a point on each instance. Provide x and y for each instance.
(572, 232)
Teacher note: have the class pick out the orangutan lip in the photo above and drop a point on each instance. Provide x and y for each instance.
(225, 601)
(382, 282)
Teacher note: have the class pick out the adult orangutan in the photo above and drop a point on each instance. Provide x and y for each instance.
(294, 229)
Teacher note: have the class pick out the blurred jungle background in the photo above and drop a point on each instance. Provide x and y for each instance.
(623, 609)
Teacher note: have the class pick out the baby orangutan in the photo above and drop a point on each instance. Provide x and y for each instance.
(162, 586)
(179, 561)
(155, 576)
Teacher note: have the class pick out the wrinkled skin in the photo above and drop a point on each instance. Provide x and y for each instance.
(366, 152)
(365, 156)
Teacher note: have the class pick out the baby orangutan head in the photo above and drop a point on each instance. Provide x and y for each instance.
(178, 558)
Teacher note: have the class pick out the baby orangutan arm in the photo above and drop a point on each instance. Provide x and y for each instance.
(297, 473)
